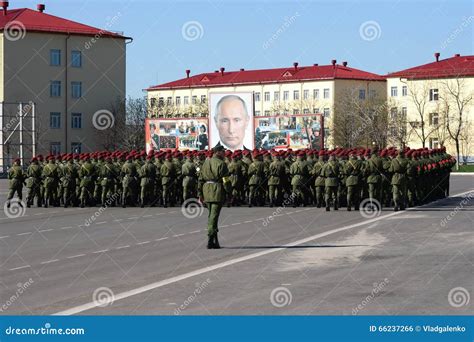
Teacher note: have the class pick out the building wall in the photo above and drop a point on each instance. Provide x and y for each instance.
(418, 91)
(28, 73)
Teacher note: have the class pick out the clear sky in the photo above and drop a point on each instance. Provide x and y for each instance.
(172, 36)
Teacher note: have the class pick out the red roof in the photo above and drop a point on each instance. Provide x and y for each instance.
(451, 67)
(264, 76)
(37, 21)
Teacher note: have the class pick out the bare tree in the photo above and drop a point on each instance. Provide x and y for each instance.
(457, 98)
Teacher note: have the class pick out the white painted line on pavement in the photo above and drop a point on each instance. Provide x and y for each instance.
(19, 268)
(49, 261)
(23, 233)
(161, 239)
(194, 231)
(178, 235)
(101, 222)
(121, 247)
(102, 251)
(68, 227)
(147, 215)
(235, 224)
(4, 237)
(118, 220)
(142, 243)
(75, 256)
(45, 230)
(220, 265)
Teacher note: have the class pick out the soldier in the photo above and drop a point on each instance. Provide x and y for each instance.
(70, 175)
(398, 167)
(299, 174)
(353, 171)
(373, 170)
(188, 170)
(51, 179)
(237, 171)
(216, 187)
(87, 173)
(33, 183)
(129, 178)
(411, 178)
(276, 173)
(16, 177)
(108, 178)
(256, 173)
(331, 174)
(168, 176)
(319, 181)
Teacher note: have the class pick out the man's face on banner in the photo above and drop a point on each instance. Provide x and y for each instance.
(232, 121)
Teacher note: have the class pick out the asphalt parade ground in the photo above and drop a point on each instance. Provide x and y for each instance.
(274, 261)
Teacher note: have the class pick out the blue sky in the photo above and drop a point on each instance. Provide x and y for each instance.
(376, 36)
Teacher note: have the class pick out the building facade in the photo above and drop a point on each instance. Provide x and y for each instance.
(432, 105)
(281, 91)
(61, 72)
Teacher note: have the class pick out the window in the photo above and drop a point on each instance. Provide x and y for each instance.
(267, 113)
(55, 148)
(55, 89)
(404, 91)
(76, 120)
(276, 96)
(434, 119)
(186, 100)
(315, 94)
(203, 98)
(195, 99)
(54, 120)
(257, 113)
(393, 113)
(152, 102)
(296, 95)
(76, 90)
(326, 93)
(433, 94)
(326, 112)
(76, 59)
(362, 94)
(296, 111)
(305, 94)
(315, 110)
(286, 95)
(372, 93)
(266, 96)
(178, 100)
(393, 91)
(169, 101)
(404, 113)
(55, 57)
(434, 143)
(76, 147)
(161, 102)
(257, 97)
(306, 111)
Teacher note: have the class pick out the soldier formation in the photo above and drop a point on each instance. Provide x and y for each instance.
(327, 178)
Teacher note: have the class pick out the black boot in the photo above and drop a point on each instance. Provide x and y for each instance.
(210, 242)
(216, 242)
(327, 209)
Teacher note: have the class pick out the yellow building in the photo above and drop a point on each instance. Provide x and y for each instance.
(432, 104)
(291, 90)
(61, 71)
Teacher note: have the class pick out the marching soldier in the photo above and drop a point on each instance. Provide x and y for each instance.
(33, 183)
(216, 188)
(87, 173)
(319, 182)
(276, 172)
(353, 172)
(129, 172)
(256, 173)
(188, 170)
(51, 179)
(331, 174)
(398, 167)
(70, 175)
(16, 179)
(168, 176)
(299, 174)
